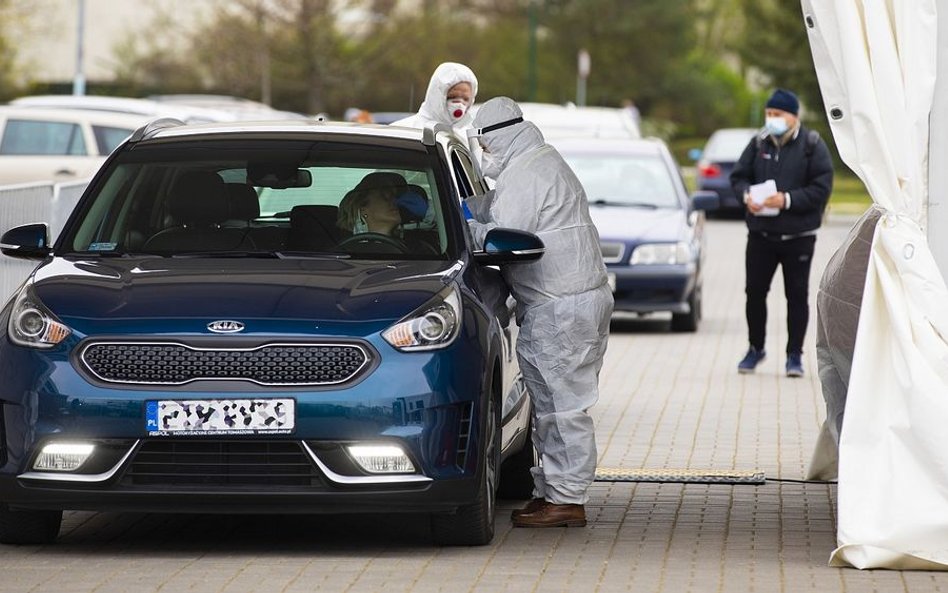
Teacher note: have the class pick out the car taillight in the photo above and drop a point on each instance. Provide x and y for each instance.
(709, 170)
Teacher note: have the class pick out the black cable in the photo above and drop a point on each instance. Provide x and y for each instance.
(795, 481)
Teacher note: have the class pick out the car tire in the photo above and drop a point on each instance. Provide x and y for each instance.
(473, 525)
(516, 480)
(688, 322)
(29, 527)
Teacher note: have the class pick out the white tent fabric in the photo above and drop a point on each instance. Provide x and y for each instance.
(875, 60)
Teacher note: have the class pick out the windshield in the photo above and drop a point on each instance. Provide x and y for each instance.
(283, 198)
(625, 180)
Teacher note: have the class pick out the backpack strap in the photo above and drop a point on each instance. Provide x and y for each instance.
(812, 139)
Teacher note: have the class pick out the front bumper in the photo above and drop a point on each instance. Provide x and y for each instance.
(654, 288)
(425, 402)
(321, 491)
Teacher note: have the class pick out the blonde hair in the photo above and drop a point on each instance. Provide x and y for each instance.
(349, 208)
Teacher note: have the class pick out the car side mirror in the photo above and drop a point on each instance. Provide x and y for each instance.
(694, 154)
(29, 241)
(705, 200)
(508, 246)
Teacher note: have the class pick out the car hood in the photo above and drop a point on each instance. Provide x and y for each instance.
(270, 296)
(639, 225)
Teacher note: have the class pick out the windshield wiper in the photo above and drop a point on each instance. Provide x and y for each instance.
(263, 254)
(623, 204)
(108, 254)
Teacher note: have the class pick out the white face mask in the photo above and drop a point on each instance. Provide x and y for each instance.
(457, 109)
(490, 167)
(776, 125)
(361, 225)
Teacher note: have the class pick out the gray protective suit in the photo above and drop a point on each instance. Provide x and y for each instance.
(564, 303)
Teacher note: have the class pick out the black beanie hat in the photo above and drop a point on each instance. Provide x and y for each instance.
(784, 100)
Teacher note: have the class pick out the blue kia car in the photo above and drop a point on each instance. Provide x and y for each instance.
(651, 231)
(211, 333)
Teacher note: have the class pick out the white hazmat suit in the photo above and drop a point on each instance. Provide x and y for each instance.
(564, 302)
(435, 107)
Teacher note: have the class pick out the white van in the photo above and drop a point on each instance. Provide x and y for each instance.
(43, 144)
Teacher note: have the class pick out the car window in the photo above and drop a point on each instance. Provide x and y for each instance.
(275, 197)
(623, 179)
(31, 137)
(461, 176)
(727, 145)
(108, 138)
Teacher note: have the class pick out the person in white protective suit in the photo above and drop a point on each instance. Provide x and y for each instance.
(451, 92)
(564, 304)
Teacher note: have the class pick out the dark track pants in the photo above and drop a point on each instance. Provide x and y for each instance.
(761, 259)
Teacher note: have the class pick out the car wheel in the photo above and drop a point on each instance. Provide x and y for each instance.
(473, 525)
(516, 480)
(29, 527)
(688, 322)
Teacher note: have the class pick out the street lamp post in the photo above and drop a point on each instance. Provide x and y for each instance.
(532, 52)
(79, 79)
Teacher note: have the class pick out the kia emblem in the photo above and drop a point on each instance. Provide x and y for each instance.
(225, 326)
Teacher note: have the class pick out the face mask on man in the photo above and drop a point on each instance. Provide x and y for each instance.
(490, 166)
(776, 125)
(456, 108)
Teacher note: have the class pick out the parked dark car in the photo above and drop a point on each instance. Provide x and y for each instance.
(716, 161)
(204, 337)
(651, 232)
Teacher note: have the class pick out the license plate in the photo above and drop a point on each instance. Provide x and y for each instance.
(612, 280)
(220, 416)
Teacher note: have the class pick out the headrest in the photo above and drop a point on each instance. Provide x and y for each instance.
(198, 198)
(412, 203)
(243, 201)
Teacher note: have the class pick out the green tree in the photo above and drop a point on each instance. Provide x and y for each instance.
(775, 44)
(9, 18)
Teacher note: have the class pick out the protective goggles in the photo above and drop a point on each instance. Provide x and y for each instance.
(477, 132)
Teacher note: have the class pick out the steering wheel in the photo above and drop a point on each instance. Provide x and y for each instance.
(372, 243)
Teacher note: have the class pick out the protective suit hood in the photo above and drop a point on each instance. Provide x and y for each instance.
(434, 108)
(499, 130)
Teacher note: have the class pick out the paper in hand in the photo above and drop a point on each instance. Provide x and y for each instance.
(760, 192)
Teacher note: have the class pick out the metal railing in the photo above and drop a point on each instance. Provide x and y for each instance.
(51, 203)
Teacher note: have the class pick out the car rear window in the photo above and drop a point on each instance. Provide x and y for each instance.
(266, 198)
(727, 145)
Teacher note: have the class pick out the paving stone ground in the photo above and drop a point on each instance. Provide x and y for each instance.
(669, 401)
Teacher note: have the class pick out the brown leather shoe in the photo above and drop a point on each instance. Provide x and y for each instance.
(547, 514)
(530, 507)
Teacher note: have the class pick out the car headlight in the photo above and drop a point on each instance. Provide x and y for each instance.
(661, 253)
(32, 324)
(433, 326)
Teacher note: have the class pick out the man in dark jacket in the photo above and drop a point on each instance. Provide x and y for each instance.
(782, 220)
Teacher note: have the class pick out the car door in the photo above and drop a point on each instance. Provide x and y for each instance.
(468, 183)
(36, 150)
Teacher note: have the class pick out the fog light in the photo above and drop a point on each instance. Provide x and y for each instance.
(381, 459)
(63, 457)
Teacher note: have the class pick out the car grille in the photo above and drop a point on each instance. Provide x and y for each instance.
(176, 364)
(612, 252)
(203, 464)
